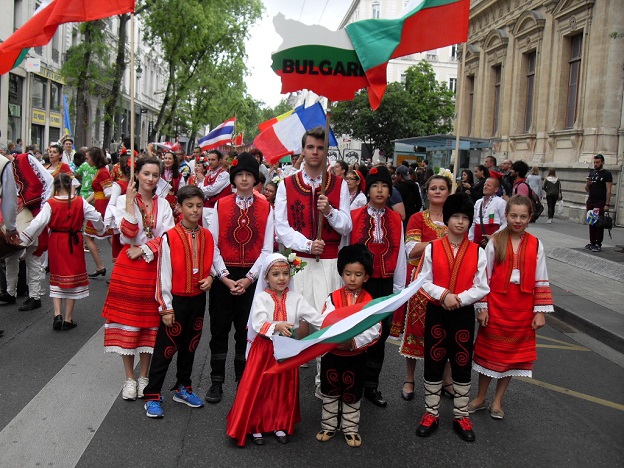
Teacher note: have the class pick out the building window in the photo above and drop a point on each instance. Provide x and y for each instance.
(453, 85)
(530, 90)
(498, 73)
(471, 89)
(55, 97)
(14, 129)
(454, 53)
(39, 92)
(376, 10)
(576, 46)
(403, 78)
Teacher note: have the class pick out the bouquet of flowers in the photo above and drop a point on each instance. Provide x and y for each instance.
(296, 264)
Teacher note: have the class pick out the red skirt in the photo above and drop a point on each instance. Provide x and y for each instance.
(398, 318)
(413, 344)
(68, 269)
(131, 294)
(100, 206)
(506, 346)
(264, 402)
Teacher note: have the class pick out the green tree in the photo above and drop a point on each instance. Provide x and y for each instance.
(420, 107)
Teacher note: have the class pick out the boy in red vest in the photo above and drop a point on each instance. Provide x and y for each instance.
(185, 261)
(242, 227)
(381, 230)
(454, 271)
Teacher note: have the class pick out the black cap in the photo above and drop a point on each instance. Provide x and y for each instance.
(245, 162)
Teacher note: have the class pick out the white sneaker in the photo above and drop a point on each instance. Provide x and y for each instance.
(549, 221)
(143, 381)
(129, 391)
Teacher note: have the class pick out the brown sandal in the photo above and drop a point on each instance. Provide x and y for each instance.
(324, 435)
(353, 440)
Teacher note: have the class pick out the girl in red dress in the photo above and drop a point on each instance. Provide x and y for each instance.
(101, 186)
(519, 297)
(131, 309)
(64, 215)
(270, 402)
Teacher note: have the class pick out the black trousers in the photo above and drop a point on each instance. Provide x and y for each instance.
(448, 335)
(225, 310)
(596, 234)
(183, 338)
(377, 287)
(552, 200)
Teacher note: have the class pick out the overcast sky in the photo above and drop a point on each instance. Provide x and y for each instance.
(263, 84)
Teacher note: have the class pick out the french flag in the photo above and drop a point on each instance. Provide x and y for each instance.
(284, 137)
(221, 135)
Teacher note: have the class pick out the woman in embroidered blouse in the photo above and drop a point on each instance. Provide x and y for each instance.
(356, 184)
(197, 178)
(56, 166)
(422, 228)
(131, 310)
(102, 186)
(171, 175)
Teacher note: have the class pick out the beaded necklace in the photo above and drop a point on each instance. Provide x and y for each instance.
(149, 219)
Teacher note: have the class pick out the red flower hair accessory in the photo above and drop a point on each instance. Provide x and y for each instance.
(234, 162)
(124, 151)
(373, 171)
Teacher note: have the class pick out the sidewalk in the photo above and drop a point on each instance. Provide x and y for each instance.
(588, 288)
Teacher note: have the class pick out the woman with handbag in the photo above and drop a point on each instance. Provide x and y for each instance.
(552, 188)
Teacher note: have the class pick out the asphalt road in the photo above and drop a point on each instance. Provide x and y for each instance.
(60, 405)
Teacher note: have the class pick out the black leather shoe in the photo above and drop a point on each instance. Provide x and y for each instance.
(282, 439)
(463, 427)
(257, 440)
(375, 397)
(407, 396)
(58, 322)
(97, 273)
(69, 325)
(215, 393)
(7, 298)
(428, 424)
(30, 304)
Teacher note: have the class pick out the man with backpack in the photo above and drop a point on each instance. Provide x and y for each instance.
(598, 186)
(519, 171)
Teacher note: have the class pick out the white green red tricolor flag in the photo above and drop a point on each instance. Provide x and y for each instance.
(341, 325)
(40, 28)
(336, 64)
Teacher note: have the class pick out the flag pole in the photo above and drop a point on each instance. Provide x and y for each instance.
(460, 95)
(132, 85)
(321, 218)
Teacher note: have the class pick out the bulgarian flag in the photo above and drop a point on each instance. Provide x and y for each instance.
(336, 64)
(40, 29)
(341, 325)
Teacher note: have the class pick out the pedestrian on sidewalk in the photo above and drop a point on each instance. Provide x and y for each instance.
(449, 322)
(131, 309)
(598, 186)
(519, 297)
(64, 215)
(185, 261)
(552, 188)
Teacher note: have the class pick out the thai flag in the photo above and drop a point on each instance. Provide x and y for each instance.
(221, 135)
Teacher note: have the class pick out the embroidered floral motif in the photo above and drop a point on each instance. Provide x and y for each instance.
(297, 210)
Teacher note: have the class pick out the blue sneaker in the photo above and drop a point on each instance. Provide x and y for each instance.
(185, 395)
(153, 409)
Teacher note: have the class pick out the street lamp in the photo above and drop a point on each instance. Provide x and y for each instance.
(139, 71)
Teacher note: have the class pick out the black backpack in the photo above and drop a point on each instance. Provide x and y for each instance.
(538, 208)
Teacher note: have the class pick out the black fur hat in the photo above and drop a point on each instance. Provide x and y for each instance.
(457, 203)
(356, 253)
(245, 162)
(378, 174)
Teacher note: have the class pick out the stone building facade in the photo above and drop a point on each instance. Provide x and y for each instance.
(543, 79)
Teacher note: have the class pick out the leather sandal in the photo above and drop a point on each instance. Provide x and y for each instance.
(324, 435)
(353, 440)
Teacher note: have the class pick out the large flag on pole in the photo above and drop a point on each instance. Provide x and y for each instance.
(341, 325)
(40, 29)
(336, 64)
(284, 137)
(221, 135)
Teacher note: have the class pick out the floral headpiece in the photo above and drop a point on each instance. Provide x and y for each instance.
(234, 162)
(373, 171)
(295, 262)
(124, 151)
(445, 173)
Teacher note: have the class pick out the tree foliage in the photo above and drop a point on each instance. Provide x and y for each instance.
(421, 106)
(202, 43)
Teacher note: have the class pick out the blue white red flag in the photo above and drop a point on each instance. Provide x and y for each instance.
(221, 135)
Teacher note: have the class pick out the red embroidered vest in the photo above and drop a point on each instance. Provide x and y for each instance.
(303, 215)
(29, 186)
(385, 254)
(184, 281)
(526, 262)
(454, 273)
(340, 299)
(174, 184)
(209, 180)
(241, 232)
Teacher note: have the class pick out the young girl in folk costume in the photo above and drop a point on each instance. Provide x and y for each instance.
(131, 309)
(101, 185)
(519, 297)
(64, 215)
(454, 281)
(343, 370)
(270, 402)
(119, 187)
(171, 175)
(422, 228)
(199, 172)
